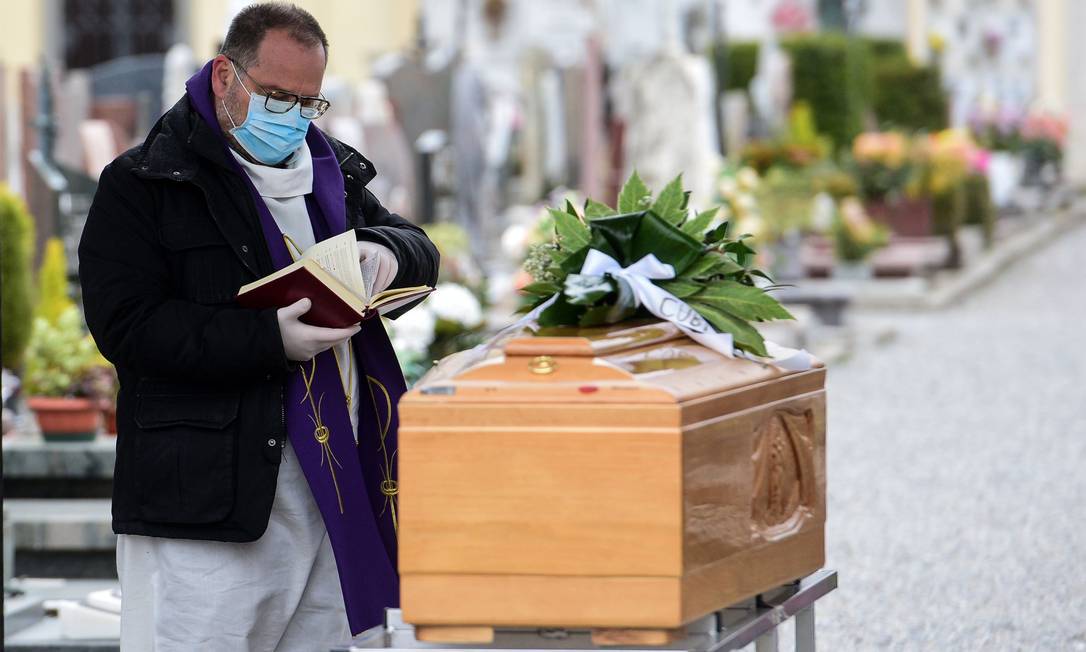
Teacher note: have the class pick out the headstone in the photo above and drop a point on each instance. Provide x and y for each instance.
(666, 102)
(178, 66)
(736, 109)
(98, 142)
(73, 107)
(389, 150)
(771, 87)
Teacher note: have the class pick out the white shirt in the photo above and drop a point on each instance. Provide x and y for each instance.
(283, 191)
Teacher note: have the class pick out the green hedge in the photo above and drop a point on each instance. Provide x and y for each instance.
(882, 49)
(978, 205)
(910, 97)
(842, 79)
(16, 302)
(735, 64)
(831, 73)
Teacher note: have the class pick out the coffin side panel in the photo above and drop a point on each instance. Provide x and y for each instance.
(541, 601)
(753, 477)
(509, 499)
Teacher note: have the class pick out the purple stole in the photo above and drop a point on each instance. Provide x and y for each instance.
(353, 485)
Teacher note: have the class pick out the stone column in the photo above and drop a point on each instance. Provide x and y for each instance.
(917, 38)
(1074, 84)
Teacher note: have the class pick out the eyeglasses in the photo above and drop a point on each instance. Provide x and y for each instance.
(278, 101)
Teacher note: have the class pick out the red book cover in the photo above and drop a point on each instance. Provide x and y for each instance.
(329, 309)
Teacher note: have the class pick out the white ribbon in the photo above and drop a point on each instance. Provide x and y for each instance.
(658, 301)
(667, 306)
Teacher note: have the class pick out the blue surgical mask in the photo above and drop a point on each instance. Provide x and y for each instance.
(268, 137)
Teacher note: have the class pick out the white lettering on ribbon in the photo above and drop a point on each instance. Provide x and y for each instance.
(658, 301)
(667, 306)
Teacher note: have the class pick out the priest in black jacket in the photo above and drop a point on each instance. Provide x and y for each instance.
(255, 483)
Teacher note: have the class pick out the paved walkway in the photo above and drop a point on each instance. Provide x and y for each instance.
(957, 472)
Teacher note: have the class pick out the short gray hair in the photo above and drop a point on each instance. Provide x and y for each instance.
(248, 28)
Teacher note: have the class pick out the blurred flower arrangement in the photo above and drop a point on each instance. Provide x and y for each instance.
(855, 234)
(800, 146)
(1043, 138)
(996, 129)
(63, 361)
(941, 161)
(881, 163)
(738, 196)
(452, 318)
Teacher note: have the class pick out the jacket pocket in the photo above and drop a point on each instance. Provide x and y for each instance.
(206, 269)
(185, 457)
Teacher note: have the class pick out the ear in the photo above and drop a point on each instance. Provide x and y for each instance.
(222, 76)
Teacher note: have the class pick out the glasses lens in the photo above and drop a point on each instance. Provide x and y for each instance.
(280, 102)
(313, 107)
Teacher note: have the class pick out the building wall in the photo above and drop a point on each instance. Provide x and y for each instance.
(358, 30)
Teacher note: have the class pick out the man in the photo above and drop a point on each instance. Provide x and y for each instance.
(254, 492)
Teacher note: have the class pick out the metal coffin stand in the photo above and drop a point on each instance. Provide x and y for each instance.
(753, 621)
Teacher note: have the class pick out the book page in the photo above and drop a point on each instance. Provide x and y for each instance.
(339, 257)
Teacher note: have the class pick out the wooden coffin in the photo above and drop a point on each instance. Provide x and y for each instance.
(628, 478)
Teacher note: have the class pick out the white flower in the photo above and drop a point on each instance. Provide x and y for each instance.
(727, 187)
(746, 203)
(748, 178)
(822, 212)
(456, 303)
(413, 332)
(515, 241)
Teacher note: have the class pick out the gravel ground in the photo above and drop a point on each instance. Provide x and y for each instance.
(957, 472)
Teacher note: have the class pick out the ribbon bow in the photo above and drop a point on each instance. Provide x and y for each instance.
(640, 276)
(658, 301)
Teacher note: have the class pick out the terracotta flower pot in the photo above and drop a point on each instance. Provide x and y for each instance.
(905, 216)
(65, 418)
(109, 416)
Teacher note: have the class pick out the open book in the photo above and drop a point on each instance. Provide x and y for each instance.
(329, 274)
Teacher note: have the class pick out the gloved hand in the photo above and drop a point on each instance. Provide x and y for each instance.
(303, 342)
(378, 262)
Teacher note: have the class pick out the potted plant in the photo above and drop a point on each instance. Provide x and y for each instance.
(942, 164)
(856, 236)
(61, 364)
(882, 164)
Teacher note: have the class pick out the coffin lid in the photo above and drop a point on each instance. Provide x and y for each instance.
(604, 364)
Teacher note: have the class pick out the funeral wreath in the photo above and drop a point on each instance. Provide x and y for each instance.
(651, 256)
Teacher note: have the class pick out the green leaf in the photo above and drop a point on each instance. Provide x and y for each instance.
(717, 234)
(760, 274)
(696, 227)
(656, 236)
(739, 248)
(725, 265)
(573, 263)
(560, 313)
(572, 232)
(669, 205)
(680, 288)
(744, 336)
(570, 209)
(703, 266)
(559, 256)
(635, 195)
(743, 301)
(614, 234)
(594, 209)
(542, 288)
(584, 290)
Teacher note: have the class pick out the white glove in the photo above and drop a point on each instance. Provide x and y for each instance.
(303, 342)
(378, 262)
